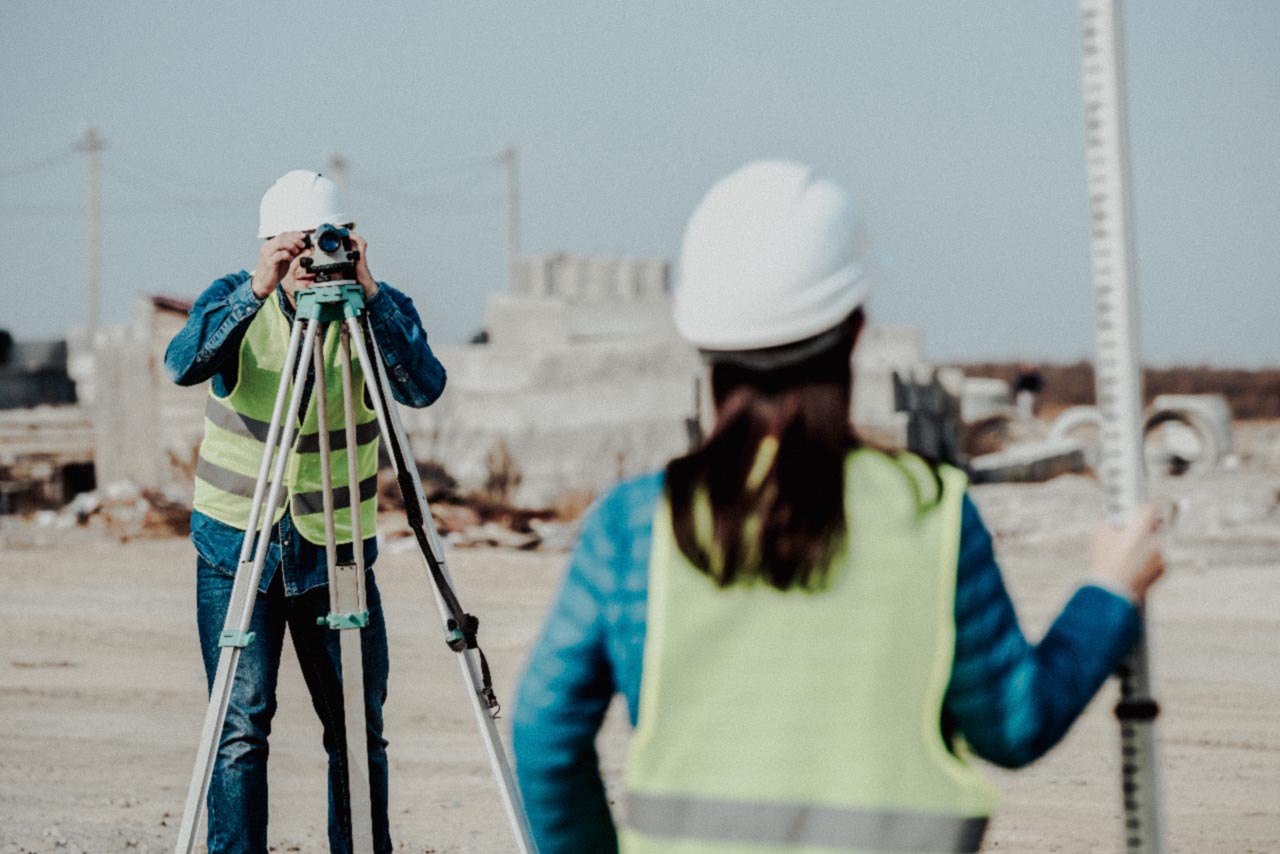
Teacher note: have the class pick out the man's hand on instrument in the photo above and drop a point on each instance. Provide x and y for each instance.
(363, 276)
(274, 259)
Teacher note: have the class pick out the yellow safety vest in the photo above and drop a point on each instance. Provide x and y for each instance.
(806, 722)
(235, 433)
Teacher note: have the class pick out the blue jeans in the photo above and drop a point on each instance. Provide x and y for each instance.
(237, 803)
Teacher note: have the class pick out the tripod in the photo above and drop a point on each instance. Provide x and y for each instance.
(320, 309)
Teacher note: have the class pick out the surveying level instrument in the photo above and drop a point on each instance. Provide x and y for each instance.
(1119, 387)
(337, 300)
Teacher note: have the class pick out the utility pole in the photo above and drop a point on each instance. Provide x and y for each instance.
(92, 144)
(337, 166)
(508, 158)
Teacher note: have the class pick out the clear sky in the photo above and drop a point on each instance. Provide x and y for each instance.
(958, 123)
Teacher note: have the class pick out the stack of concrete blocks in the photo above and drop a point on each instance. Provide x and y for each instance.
(146, 428)
(46, 456)
(583, 380)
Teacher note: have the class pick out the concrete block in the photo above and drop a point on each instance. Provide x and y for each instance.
(889, 348)
(606, 320)
(525, 323)
(983, 397)
(591, 278)
(1029, 462)
(654, 277)
(128, 432)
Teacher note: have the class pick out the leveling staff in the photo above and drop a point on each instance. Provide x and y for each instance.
(236, 338)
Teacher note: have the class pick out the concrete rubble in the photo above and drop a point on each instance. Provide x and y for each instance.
(124, 511)
(1029, 462)
(46, 456)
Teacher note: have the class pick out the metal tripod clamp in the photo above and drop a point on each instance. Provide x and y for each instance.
(358, 620)
(460, 637)
(235, 638)
(326, 303)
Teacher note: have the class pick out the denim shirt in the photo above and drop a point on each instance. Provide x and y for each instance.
(208, 348)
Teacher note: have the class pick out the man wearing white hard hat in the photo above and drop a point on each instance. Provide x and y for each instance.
(810, 634)
(236, 339)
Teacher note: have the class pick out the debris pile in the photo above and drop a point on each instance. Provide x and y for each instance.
(124, 511)
(468, 520)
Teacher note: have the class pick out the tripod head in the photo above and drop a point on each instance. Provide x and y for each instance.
(334, 261)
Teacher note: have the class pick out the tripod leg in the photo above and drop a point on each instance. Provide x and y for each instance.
(349, 596)
(273, 434)
(235, 633)
(346, 601)
(326, 471)
(451, 613)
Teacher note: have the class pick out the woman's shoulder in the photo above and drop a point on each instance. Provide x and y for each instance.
(629, 504)
(929, 479)
(611, 554)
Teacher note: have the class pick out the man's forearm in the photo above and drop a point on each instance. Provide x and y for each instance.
(213, 330)
(417, 378)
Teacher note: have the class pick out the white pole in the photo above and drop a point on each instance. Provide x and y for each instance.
(1119, 384)
(512, 210)
(337, 167)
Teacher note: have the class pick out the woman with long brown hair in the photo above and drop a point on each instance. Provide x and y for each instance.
(811, 635)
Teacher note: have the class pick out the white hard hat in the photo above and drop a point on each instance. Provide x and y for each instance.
(300, 200)
(772, 255)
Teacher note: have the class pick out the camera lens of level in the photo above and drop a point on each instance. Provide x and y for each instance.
(329, 240)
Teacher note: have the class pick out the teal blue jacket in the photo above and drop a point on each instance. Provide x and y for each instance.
(1010, 699)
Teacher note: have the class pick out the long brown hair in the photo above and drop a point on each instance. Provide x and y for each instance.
(763, 496)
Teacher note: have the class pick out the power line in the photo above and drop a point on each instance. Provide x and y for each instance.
(453, 167)
(41, 210)
(462, 189)
(37, 165)
(148, 184)
(451, 187)
(107, 210)
(177, 183)
(440, 185)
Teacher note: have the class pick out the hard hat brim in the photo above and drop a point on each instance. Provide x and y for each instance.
(298, 225)
(777, 325)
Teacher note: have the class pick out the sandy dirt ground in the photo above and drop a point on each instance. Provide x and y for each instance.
(102, 694)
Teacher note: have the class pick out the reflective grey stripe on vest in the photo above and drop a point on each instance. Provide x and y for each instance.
(308, 443)
(850, 829)
(313, 502)
(225, 479)
(234, 422)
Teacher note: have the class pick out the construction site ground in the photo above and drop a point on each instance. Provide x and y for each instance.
(102, 691)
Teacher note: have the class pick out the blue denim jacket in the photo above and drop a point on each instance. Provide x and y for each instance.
(208, 347)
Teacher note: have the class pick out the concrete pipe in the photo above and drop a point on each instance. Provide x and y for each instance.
(1186, 433)
(1084, 425)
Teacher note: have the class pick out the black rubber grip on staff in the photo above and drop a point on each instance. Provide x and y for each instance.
(1137, 710)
